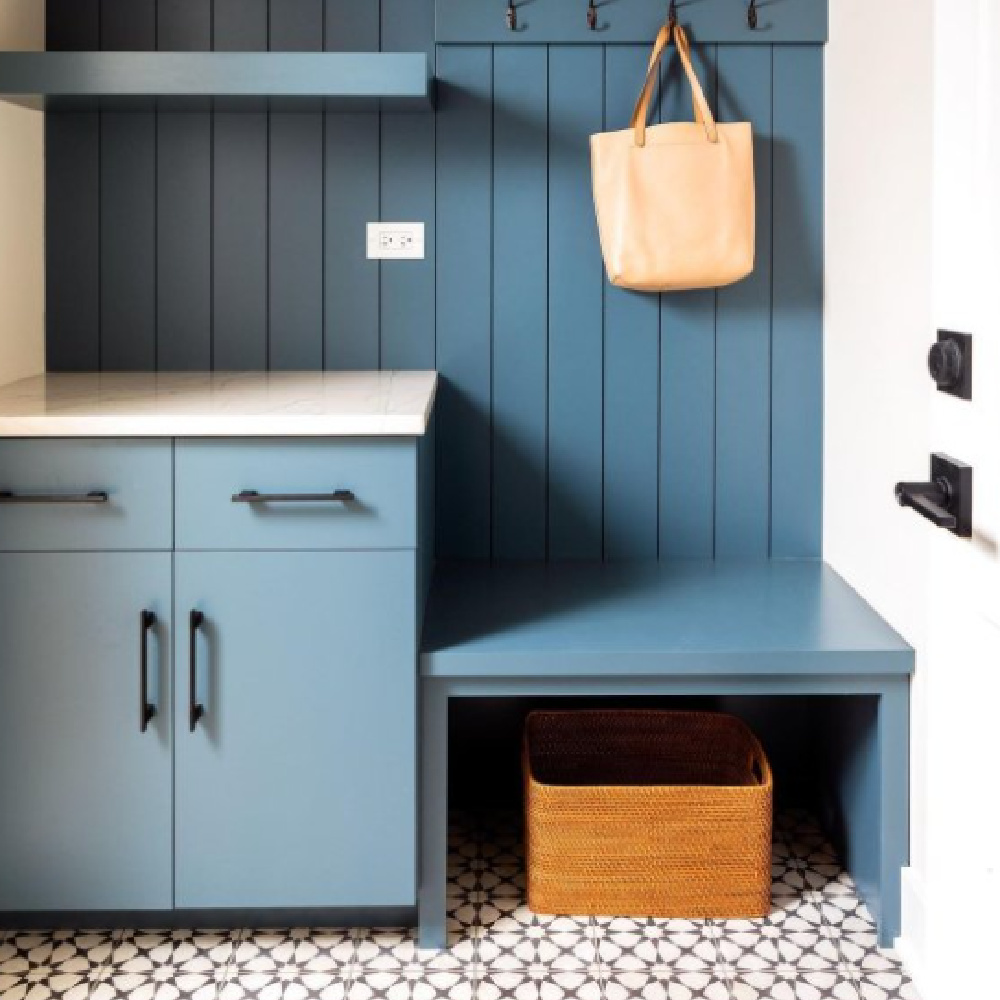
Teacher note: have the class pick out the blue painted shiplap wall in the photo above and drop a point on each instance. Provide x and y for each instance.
(576, 420)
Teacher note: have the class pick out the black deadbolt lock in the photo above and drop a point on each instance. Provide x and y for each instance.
(950, 363)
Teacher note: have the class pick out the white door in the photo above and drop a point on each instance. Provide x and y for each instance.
(961, 683)
(913, 244)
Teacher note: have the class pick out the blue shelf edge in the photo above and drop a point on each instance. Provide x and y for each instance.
(222, 80)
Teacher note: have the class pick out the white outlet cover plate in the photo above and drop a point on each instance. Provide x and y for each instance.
(395, 241)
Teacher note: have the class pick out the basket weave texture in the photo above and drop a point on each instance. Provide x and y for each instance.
(646, 813)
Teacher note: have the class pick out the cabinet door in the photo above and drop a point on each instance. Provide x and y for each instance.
(296, 787)
(85, 794)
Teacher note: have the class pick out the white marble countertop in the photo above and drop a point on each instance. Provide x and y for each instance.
(222, 404)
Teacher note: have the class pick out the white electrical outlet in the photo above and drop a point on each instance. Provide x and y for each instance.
(395, 241)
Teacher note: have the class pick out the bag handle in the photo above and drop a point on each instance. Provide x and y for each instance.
(702, 112)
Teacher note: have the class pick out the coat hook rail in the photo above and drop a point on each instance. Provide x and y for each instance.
(632, 22)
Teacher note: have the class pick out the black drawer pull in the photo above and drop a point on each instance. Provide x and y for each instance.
(196, 710)
(93, 497)
(252, 496)
(147, 711)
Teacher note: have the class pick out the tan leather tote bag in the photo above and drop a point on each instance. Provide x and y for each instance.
(675, 202)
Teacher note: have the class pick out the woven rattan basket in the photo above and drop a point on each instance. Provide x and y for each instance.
(641, 813)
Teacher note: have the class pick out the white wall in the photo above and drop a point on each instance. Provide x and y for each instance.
(22, 268)
(912, 245)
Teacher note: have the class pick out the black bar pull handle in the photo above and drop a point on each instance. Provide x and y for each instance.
(92, 498)
(147, 711)
(196, 710)
(252, 496)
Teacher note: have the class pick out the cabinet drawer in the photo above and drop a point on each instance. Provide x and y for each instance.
(77, 495)
(344, 494)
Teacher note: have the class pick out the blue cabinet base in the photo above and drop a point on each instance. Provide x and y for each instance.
(338, 916)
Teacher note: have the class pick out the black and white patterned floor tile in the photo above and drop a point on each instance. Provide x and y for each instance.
(817, 943)
(38, 965)
(165, 965)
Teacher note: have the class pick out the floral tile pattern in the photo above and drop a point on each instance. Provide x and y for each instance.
(818, 943)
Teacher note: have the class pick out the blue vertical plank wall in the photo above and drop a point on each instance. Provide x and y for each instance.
(72, 207)
(239, 204)
(464, 302)
(575, 420)
(183, 206)
(351, 199)
(520, 284)
(407, 300)
(575, 390)
(687, 374)
(295, 205)
(128, 205)
(743, 333)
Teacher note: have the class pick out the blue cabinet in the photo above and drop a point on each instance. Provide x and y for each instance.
(85, 794)
(134, 479)
(380, 477)
(296, 786)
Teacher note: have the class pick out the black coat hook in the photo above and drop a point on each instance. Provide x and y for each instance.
(752, 15)
(672, 14)
(592, 15)
(511, 15)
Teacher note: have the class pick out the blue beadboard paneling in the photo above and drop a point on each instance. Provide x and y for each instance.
(797, 335)
(239, 244)
(576, 309)
(351, 26)
(576, 421)
(464, 296)
(128, 241)
(743, 332)
(631, 369)
(407, 298)
(687, 371)
(295, 203)
(184, 206)
(295, 244)
(520, 316)
(184, 241)
(239, 206)
(183, 25)
(351, 283)
(72, 24)
(240, 25)
(351, 199)
(73, 242)
(128, 25)
(296, 26)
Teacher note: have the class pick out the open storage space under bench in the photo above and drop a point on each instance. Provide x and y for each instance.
(728, 629)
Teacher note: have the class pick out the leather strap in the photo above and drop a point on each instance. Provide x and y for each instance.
(702, 112)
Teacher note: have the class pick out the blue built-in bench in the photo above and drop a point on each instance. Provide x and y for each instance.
(697, 628)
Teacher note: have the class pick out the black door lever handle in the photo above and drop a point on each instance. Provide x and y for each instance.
(925, 505)
(945, 499)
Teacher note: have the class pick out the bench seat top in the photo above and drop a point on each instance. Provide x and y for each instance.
(764, 618)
